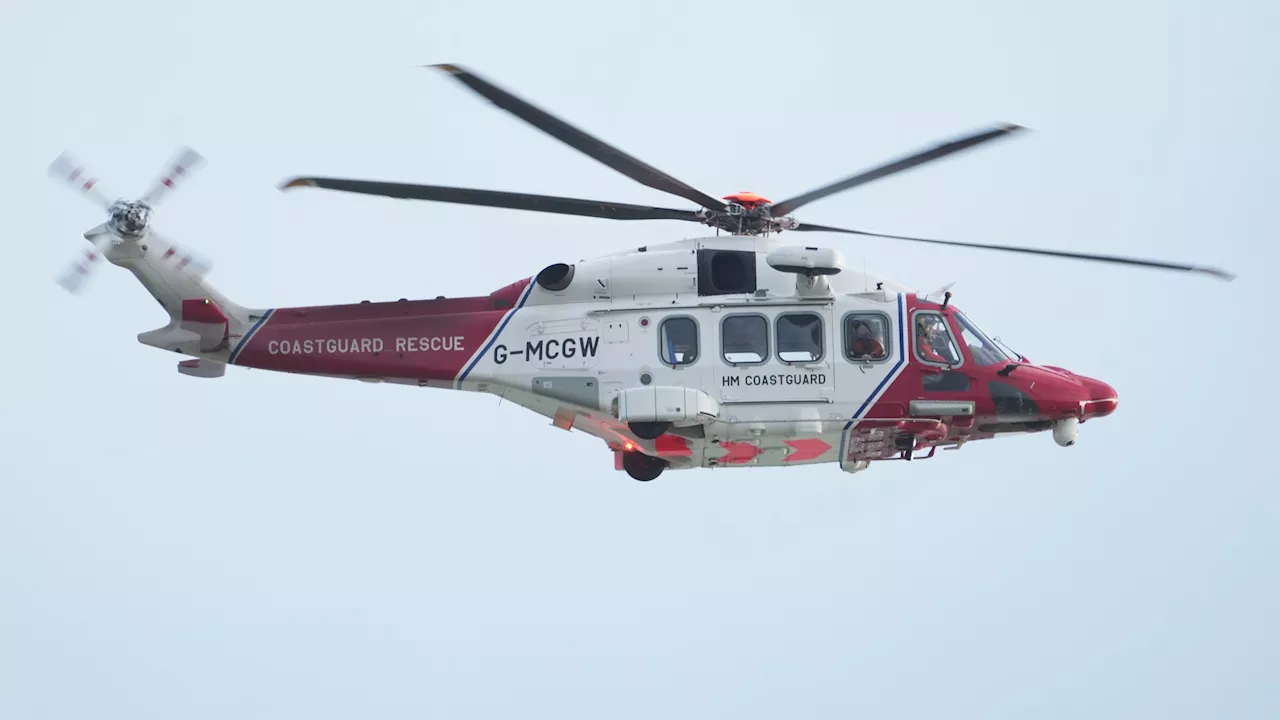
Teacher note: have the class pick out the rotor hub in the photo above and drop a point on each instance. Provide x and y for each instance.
(748, 200)
(130, 219)
(747, 214)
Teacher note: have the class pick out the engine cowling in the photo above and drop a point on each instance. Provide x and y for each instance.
(555, 278)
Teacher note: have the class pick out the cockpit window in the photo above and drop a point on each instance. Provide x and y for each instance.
(933, 342)
(981, 347)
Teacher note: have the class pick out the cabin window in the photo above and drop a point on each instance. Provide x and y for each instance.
(679, 341)
(799, 338)
(744, 339)
(934, 344)
(866, 337)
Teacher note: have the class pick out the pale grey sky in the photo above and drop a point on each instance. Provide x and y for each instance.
(269, 546)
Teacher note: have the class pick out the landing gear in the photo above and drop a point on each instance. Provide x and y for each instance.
(649, 430)
(905, 444)
(642, 467)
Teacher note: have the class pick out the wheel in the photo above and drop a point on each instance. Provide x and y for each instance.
(642, 467)
(648, 430)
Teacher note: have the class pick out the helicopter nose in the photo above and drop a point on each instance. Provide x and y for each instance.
(1100, 398)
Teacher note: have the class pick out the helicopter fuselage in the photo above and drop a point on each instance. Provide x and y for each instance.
(698, 353)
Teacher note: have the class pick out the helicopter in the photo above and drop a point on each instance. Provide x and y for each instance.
(728, 350)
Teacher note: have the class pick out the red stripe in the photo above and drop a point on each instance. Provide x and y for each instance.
(737, 453)
(672, 445)
(807, 449)
(421, 339)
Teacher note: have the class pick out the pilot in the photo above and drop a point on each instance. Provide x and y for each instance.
(864, 345)
(931, 341)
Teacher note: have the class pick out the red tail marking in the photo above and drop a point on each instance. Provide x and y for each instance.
(202, 310)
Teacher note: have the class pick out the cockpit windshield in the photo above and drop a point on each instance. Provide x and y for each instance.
(982, 348)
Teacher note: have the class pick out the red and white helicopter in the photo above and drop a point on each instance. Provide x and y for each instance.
(731, 350)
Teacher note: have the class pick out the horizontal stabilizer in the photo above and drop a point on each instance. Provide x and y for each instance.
(202, 368)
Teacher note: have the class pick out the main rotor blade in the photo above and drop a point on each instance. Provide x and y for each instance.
(1221, 274)
(581, 141)
(906, 163)
(494, 198)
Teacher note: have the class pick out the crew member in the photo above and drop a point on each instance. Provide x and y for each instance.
(866, 347)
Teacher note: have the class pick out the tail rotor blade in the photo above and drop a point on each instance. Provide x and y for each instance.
(179, 256)
(71, 171)
(183, 164)
(77, 274)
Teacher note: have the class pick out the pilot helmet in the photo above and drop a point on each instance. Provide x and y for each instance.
(929, 325)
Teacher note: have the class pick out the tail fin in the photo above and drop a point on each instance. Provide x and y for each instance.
(203, 322)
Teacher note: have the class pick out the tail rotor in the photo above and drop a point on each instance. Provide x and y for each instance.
(128, 221)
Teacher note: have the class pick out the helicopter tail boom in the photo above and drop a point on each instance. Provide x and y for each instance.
(203, 322)
(428, 342)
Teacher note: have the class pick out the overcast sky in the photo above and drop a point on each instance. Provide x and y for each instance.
(270, 546)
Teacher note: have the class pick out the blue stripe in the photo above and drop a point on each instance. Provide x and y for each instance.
(902, 358)
(492, 340)
(244, 341)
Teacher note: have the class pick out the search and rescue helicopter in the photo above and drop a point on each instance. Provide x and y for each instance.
(730, 350)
